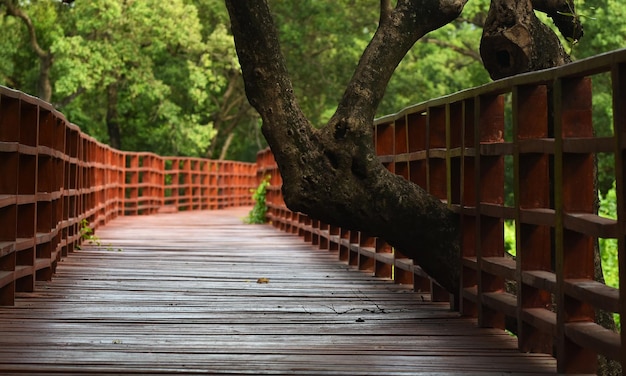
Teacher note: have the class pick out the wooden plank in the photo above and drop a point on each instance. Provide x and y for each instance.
(500, 266)
(178, 293)
(596, 293)
(592, 335)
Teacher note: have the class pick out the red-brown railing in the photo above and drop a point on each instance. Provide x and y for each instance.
(55, 181)
(540, 126)
(52, 177)
(356, 248)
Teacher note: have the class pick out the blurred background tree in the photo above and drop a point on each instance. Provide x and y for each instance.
(164, 76)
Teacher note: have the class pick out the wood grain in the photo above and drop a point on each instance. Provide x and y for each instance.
(178, 294)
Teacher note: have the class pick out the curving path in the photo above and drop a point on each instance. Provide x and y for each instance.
(201, 292)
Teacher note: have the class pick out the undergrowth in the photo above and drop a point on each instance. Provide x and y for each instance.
(257, 214)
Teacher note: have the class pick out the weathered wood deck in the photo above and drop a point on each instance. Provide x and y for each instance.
(178, 293)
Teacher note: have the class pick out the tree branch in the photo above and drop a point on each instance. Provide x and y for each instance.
(15, 11)
(69, 98)
(563, 13)
(267, 83)
(404, 25)
(45, 57)
(333, 174)
(467, 51)
(385, 11)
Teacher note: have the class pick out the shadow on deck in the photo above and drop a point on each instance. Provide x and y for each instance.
(180, 293)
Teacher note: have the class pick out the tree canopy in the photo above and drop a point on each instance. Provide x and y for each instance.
(176, 79)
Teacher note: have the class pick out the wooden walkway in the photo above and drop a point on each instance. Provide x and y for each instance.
(180, 294)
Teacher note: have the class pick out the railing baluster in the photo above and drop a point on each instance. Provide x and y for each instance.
(54, 176)
(574, 192)
(618, 79)
(532, 191)
(490, 187)
(467, 220)
(551, 227)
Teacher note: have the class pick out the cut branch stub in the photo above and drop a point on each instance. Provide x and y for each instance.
(515, 41)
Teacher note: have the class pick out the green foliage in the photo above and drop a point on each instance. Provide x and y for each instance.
(257, 214)
(150, 50)
(87, 234)
(322, 42)
(180, 90)
(445, 61)
(509, 237)
(604, 26)
(169, 68)
(608, 247)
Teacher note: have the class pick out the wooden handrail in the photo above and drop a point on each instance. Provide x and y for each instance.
(55, 181)
(53, 177)
(456, 148)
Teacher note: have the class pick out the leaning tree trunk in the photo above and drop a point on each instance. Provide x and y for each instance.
(333, 174)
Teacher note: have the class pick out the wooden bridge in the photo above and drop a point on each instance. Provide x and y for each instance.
(187, 288)
(201, 292)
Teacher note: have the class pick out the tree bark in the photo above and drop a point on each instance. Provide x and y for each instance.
(231, 109)
(514, 41)
(563, 14)
(112, 119)
(333, 174)
(44, 87)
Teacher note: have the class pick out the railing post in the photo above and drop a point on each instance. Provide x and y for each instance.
(58, 147)
(574, 192)
(467, 220)
(204, 184)
(44, 192)
(532, 191)
(619, 129)
(53, 176)
(26, 189)
(366, 260)
(455, 152)
(213, 199)
(402, 167)
(132, 184)
(70, 197)
(315, 236)
(385, 143)
(490, 187)
(437, 153)
(383, 252)
(344, 245)
(417, 131)
(47, 195)
(9, 162)
(454, 162)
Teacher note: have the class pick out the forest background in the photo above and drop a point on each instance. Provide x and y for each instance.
(163, 76)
